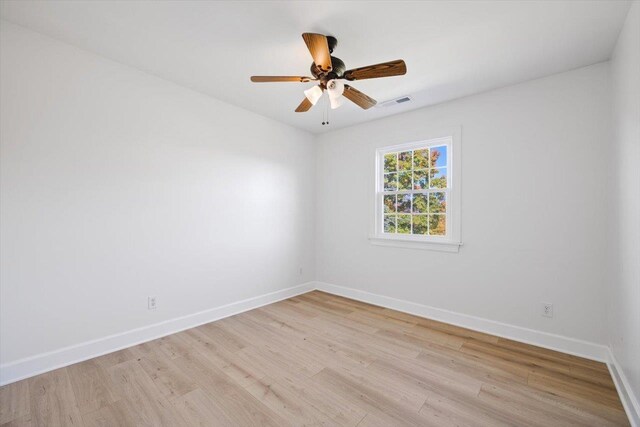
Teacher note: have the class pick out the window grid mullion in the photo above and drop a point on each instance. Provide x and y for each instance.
(381, 193)
(430, 190)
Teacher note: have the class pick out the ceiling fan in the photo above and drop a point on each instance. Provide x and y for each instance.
(330, 72)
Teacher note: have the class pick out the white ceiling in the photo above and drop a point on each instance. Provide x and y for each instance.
(452, 49)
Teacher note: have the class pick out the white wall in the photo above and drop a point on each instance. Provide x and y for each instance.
(623, 285)
(534, 197)
(117, 185)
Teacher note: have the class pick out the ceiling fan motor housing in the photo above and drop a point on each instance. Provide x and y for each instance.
(332, 42)
(337, 70)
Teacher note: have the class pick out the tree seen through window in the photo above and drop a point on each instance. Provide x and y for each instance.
(415, 191)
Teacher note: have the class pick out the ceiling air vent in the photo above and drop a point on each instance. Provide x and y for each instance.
(392, 102)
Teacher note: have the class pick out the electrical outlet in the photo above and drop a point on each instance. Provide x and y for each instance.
(152, 303)
(300, 271)
(547, 309)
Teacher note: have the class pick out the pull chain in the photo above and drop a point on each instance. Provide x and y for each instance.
(327, 106)
(325, 112)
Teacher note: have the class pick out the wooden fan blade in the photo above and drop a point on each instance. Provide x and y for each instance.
(319, 48)
(354, 95)
(268, 79)
(305, 105)
(386, 69)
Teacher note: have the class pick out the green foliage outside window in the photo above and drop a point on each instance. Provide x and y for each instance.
(422, 209)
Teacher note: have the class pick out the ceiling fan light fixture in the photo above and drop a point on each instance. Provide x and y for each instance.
(336, 101)
(335, 89)
(313, 94)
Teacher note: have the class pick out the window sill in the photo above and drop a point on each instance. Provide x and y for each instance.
(399, 242)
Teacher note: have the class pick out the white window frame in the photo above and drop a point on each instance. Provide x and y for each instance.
(451, 241)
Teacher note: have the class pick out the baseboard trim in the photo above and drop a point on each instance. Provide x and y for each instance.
(628, 398)
(41, 363)
(560, 343)
(38, 364)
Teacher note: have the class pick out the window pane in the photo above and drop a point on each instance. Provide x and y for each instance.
(404, 203)
(389, 223)
(420, 224)
(404, 160)
(421, 159)
(404, 224)
(437, 203)
(420, 203)
(439, 178)
(420, 180)
(390, 162)
(390, 181)
(437, 225)
(390, 203)
(438, 157)
(404, 180)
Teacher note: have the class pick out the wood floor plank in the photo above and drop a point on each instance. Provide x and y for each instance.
(166, 375)
(525, 407)
(261, 334)
(466, 411)
(595, 382)
(144, 402)
(117, 357)
(24, 421)
(14, 402)
(320, 344)
(498, 354)
(419, 338)
(115, 414)
(198, 409)
(341, 412)
(91, 385)
(229, 398)
(405, 393)
(295, 308)
(434, 355)
(376, 345)
(381, 320)
(370, 399)
(239, 369)
(431, 379)
(52, 400)
(319, 359)
(552, 355)
(284, 401)
(172, 346)
(608, 406)
(274, 326)
(272, 364)
(332, 354)
(434, 325)
(325, 305)
(354, 304)
(224, 339)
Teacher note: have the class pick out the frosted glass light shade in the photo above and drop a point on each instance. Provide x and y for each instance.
(313, 94)
(335, 89)
(336, 101)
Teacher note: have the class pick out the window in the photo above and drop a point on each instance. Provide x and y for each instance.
(417, 194)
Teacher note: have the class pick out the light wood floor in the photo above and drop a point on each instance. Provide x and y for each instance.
(319, 359)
